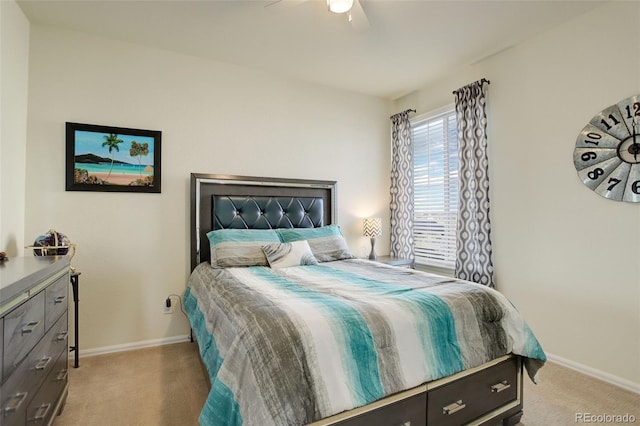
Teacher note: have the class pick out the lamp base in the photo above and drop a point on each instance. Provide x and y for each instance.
(372, 255)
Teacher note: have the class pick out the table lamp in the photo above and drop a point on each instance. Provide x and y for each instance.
(372, 229)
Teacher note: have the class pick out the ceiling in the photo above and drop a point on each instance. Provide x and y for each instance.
(408, 43)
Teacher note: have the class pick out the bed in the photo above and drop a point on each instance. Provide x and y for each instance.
(293, 330)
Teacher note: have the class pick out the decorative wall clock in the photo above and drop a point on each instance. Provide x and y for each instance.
(607, 152)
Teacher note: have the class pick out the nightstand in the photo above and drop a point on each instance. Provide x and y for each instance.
(395, 261)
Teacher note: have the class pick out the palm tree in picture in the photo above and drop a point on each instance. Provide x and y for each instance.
(112, 142)
(138, 150)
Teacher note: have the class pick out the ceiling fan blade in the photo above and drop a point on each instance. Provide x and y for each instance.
(357, 17)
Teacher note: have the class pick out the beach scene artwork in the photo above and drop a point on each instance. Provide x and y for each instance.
(112, 159)
(110, 156)
(105, 158)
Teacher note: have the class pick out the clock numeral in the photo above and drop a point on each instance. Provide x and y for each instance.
(589, 156)
(615, 182)
(609, 126)
(635, 187)
(592, 135)
(595, 173)
(636, 109)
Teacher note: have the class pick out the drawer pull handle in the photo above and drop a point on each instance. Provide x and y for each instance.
(59, 299)
(14, 402)
(62, 336)
(453, 408)
(30, 327)
(62, 375)
(41, 413)
(499, 387)
(42, 364)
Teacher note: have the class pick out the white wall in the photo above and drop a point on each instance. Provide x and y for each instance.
(133, 249)
(14, 71)
(565, 256)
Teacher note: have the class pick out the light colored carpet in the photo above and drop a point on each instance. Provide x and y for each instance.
(563, 395)
(162, 386)
(165, 386)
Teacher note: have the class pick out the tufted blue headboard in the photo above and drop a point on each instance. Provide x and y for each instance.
(220, 201)
(255, 212)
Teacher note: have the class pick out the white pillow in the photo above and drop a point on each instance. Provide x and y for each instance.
(283, 255)
(326, 242)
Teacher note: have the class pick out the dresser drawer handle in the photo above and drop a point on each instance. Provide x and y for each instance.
(499, 387)
(453, 408)
(14, 402)
(59, 299)
(30, 327)
(42, 364)
(41, 413)
(60, 337)
(62, 375)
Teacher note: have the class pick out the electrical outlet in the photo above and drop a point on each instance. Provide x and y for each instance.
(168, 306)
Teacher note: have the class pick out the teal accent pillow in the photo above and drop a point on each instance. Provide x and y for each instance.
(284, 255)
(240, 247)
(326, 242)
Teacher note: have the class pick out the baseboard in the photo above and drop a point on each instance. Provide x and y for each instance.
(598, 374)
(132, 346)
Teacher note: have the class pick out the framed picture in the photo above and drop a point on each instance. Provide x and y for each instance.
(112, 159)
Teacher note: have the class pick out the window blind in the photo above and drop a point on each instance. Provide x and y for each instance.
(435, 189)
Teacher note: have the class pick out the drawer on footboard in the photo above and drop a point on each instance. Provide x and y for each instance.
(407, 412)
(468, 398)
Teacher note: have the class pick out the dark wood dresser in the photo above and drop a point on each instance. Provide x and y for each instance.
(34, 293)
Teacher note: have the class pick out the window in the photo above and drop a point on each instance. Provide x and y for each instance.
(435, 144)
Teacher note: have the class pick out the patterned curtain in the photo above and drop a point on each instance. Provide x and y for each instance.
(401, 187)
(473, 252)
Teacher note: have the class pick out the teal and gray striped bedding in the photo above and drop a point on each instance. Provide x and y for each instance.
(293, 345)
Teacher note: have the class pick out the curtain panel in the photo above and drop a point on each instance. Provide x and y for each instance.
(473, 242)
(401, 206)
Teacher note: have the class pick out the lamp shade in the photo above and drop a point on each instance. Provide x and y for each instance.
(372, 227)
(340, 6)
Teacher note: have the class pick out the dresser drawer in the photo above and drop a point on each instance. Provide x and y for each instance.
(43, 405)
(407, 412)
(13, 411)
(470, 397)
(56, 296)
(23, 328)
(50, 347)
(21, 387)
(57, 338)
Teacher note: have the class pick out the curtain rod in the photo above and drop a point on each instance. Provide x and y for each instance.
(481, 81)
(403, 112)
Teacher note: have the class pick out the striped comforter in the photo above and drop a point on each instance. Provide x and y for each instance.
(290, 346)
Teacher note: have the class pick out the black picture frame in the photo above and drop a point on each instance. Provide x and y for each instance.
(112, 159)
